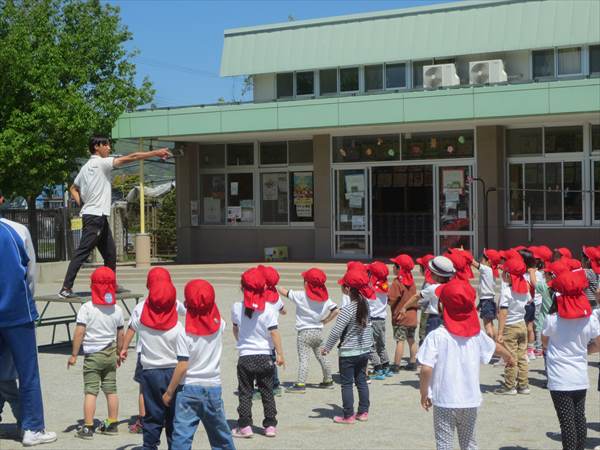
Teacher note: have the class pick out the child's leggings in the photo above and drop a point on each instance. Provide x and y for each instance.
(311, 340)
(379, 356)
(570, 409)
(257, 368)
(445, 420)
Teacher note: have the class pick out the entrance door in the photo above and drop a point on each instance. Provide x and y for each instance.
(402, 210)
(455, 220)
(352, 236)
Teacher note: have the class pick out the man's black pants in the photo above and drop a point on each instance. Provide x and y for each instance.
(96, 233)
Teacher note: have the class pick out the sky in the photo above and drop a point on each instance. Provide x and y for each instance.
(180, 41)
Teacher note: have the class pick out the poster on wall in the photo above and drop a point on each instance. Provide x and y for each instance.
(234, 214)
(212, 210)
(355, 183)
(453, 179)
(303, 194)
(270, 186)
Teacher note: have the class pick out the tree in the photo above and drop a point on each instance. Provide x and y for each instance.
(66, 75)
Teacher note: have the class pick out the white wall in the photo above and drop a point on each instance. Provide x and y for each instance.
(265, 87)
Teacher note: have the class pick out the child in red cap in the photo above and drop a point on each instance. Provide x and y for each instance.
(100, 327)
(353, 331)
(256, 332)
(450, 357)
(423, 263)
(569, 335)
(590, 261)
(200, 398)
(488, 272)
(512, 331)
(379, 272)
(314, 309)
(163, 345)
(404, 325)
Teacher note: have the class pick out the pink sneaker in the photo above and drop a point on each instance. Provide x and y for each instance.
(538, 353)
(244, 433)
(347, 421)
(530, 354)
(270, 432)
(363, 417)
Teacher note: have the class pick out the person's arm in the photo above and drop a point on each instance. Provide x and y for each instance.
(77, 340)
(125, 344)
(120, 337)
(74, 191)
(179, 372)
(236, 332)
(279, 359)
(503, 352)
(532, 277)
(332, 315)
(475, 264)
(594, 346)
(283, 291)
(163, 153)
(502, 314)
(410, 303)
(425, 379)
(335, 334)
(545, 340)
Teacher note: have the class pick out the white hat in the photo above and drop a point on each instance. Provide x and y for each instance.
(442, 266)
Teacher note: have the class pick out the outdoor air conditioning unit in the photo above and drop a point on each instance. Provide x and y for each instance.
(440, 75)
(486, 72)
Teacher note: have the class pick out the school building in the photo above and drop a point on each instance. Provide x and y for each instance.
(410, 130)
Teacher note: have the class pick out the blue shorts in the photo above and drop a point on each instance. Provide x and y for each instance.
(530, 312)
(137, 375)
(433, 321)
(487, 309)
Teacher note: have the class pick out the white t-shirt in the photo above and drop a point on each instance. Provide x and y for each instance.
(378, 307)
(566, 358)
(24, 234)
(101, 325)
(429, 299)
(455, 361)
(254, 334)
(310, 313)
(487, 284)
(205, 358)
(94, 185)
(277, 306)
(137, 313)
(345, 300)
(514, 302)
(160, 349)
(537, 297)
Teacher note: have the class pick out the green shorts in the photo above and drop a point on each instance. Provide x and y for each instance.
(100, 369)
(402, 333)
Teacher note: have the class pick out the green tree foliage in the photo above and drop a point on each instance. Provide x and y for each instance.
(66, 74)
(166, 234)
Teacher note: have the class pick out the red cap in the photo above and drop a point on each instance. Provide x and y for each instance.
(493, 256)
(572, 303)
(104, 287)
(202, 317)
(352, 265)
(556, 268)
(423, 261)
(379, 275)
(516, 268)
(593, 254)
(358, 279)
(469, 257)
(459, 262)
(315, 284)
(542, 252)
(519, 248)
(159, 311)
(253, 286)
(459, 311)
(564, 251)
(572, 263)
(509, 254)
(405, 266)
(271, 279)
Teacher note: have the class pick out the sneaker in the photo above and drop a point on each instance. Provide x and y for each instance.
(530, 354)
(137, 427)
(345, 420)
(277, 391)
(243, 433)
(524, 391)
(31, 438)
(109, 427)
(503, 390)
(270, 432)
(387, 372)
(326, 385)
(363, 417)
(410, 366)
(66, 293)
(394, 368)
(296, 388)
(379, 375)
(538, 352)
(500, 363)
(84, 432)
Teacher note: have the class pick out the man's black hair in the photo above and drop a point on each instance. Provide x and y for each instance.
(97, 140)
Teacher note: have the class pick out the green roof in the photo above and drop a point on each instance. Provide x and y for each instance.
(449, 29)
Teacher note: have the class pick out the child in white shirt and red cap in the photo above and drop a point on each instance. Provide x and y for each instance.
(451, 356)
(100, 329)
(314, 308)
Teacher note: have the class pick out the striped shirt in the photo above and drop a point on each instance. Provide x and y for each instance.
(355, 338)
(590, 291)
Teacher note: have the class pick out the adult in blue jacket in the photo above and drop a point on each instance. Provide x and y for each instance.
(17, 326)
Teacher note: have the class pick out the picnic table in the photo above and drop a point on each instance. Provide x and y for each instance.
(66, 319)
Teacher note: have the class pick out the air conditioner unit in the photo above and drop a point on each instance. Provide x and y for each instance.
(440, 75)
(486, 72)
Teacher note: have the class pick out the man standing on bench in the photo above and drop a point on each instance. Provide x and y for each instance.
(92, 191)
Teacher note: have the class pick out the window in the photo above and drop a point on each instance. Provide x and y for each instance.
(212, 193)
(573, 195)
(444, 144)
(524, 141)
(274, 195)
(395, 75)
(285, 85)
(515, 183)
(595, 137)
(543, 63)
(569, 61)
(374, 78)
(365, 148)
(534, 187)
(211, 156)
(273, 153)
(240, 198)
(328, 81)
(417, 73)
(596, 180)
(240, 154)
(300, 152)
(595, 59)
(305, 83)
(563, 139)
(349, 79)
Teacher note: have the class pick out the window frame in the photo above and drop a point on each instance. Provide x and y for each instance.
(594, 160)
(360, 70)
(581, 61)
(315, 90)
(531, 66)
(407, 78)
(588, 60)
(293, 86)
(337, 82)
(364, 70)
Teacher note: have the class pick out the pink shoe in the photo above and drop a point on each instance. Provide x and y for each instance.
(270, 432)
(363, 417)
(244, 433)
(347, 421)
(538, 353)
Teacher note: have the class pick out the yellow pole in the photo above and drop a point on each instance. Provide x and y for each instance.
(142, 202)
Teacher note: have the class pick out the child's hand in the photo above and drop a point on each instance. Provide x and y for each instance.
(123, 355)
(500, 339)
(166, 398)
(324, 352)
(72, 361)
(510, 362)
(279, 360)
(426, 402)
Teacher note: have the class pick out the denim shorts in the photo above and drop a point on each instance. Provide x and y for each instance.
(530, 312)
(487, 309)
(137, 375)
